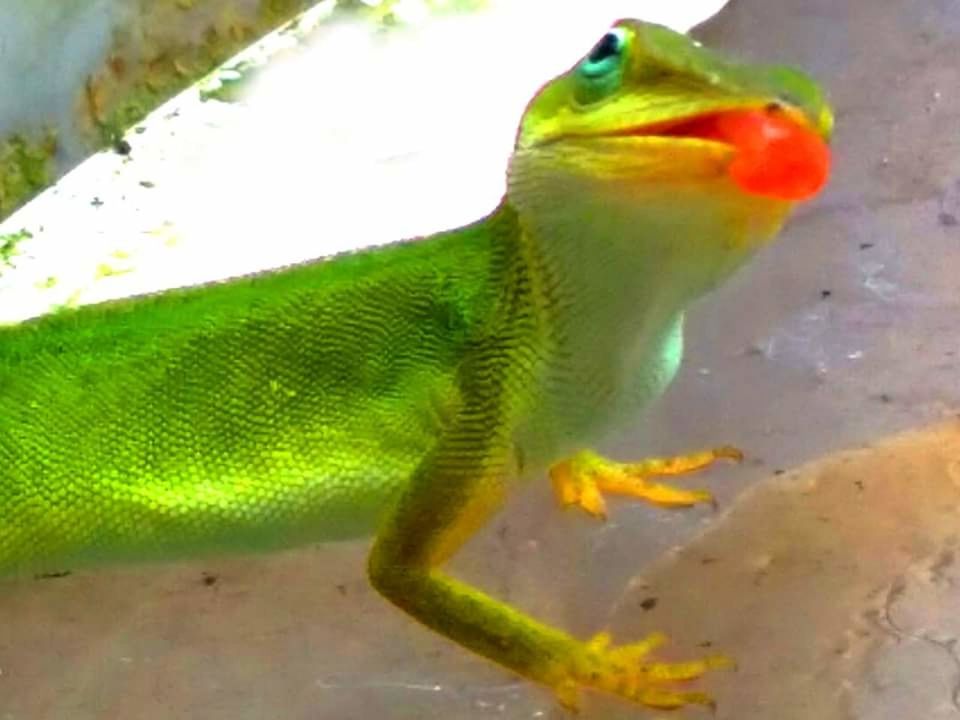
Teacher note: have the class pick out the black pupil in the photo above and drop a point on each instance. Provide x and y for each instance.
(609, 45)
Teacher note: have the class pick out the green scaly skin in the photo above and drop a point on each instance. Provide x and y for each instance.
(405, 389)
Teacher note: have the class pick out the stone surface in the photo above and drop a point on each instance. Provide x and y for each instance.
(834, 586)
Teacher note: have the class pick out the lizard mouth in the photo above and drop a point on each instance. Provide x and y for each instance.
(775, 155)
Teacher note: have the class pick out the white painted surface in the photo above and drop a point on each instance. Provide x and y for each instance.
(356, 137)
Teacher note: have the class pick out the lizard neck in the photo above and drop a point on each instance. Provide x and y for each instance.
(616, 265)
(627, 255)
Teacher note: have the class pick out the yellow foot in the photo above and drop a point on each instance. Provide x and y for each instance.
(584, 478)
(625, 671)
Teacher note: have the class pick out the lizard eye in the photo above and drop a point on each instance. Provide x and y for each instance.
(599, 73)
(606, 55)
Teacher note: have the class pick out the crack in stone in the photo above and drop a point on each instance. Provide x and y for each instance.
(895, 593)
(950, 647)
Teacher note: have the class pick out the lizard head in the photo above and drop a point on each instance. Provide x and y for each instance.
(656, 140)
(662, 100)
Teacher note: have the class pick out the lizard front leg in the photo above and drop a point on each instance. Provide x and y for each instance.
(583, 479)
(454, 491)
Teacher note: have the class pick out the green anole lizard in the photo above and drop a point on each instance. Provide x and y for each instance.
(404, 390)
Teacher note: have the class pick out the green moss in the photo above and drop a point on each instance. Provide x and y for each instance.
(9, 243)
(25, 169)
(165, 76)
(105, 270)
(228, 84)
(129, 112)
(161, 77)
(275, 12)
(385, 11)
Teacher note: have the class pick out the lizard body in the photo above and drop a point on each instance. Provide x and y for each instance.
(402, 391)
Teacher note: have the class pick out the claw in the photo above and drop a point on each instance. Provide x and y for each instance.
(627, 672)
(582, 479)
(669, 700)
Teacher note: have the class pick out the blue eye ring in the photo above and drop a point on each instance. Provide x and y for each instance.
(606, 55)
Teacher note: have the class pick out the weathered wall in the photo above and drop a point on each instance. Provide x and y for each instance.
(74, 75)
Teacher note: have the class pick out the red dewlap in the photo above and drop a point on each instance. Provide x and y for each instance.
(776, 156)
